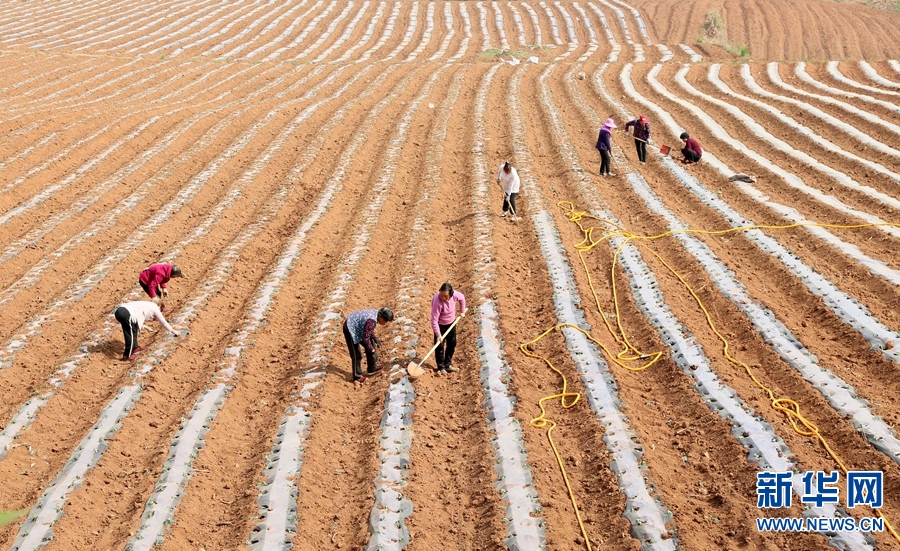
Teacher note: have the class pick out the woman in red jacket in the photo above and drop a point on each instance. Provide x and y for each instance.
(154, 278)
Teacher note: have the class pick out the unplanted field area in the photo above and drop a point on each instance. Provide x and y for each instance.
(303, 160)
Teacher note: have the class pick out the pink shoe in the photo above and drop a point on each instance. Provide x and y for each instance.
(138, 349)
(129, 358)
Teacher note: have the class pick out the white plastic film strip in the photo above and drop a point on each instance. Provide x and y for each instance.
(525, 528)
(326, 34)
(449, 35)
(570, 29)
(535, 24)
(345, 36)
(763, 445)
(426, 35)
(224, 43)
(103, 79)
(47, 24)
(259, 37)
(872, 74)
(51, 190)
(116, 24)
(800, 71)
(178, 468)
(815, 111)
(760, 132)
(85, 29)
(201, 36)
(284, 34)
(835, 72)
(410, 31)
(388, 30)
(467, 33)
(799, 128)
(593, 45)
(36, 233)
(284, 462)
(695, 57)
(101, 269)
(665, 52)
(517, 21)
(387, 521)
(304, 33)
(570, 23)
(367, 35)
(587, 22)
(622, 23)
(639, 54)
(642, 28)
(838, 393)
(181, 26)
(554, 26)
(789, 178)
(485, 35)
(30, 85)
(153, 21)
(26, 413)
(243, 44)
(498, 21)
(616, 48)
(36, 531)
(643, 508)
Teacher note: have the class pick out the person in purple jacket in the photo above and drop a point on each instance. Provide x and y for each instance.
(604, 145)
(359, 328)
(443, 314)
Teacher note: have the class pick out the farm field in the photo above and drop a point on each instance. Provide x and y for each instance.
(304, 159)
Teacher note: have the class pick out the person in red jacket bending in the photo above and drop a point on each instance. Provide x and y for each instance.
(154, 278)
(692, 151)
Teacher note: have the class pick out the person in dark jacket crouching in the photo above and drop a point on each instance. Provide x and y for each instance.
(692, 151)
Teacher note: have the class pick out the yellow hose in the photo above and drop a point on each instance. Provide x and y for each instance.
(633, 359)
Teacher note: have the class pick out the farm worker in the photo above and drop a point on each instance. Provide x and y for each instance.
(508, 179)
(641, 135)
(359, 328)
(132, 316)
(443, 314)
(692, 151)
(604, 145)
(154, 278)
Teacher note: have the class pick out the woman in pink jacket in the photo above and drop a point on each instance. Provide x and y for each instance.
(443, 314)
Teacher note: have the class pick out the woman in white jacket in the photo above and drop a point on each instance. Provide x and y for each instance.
(132, 316)
(508, 179)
